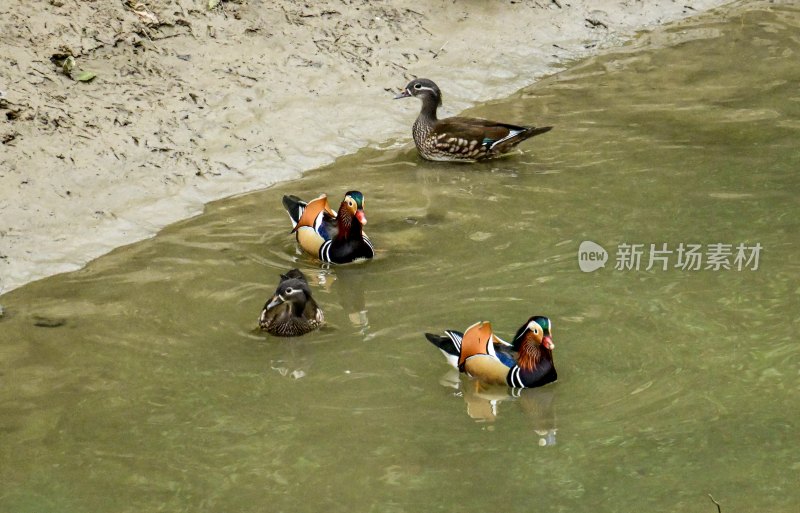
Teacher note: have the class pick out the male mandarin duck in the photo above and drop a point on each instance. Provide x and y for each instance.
(291, 311)
(337, 238)
(459, 138)
(526, 362)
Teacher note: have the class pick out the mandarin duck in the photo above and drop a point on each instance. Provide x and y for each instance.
(332, 237)
(526, 362)
(291, 311)
(459, 138)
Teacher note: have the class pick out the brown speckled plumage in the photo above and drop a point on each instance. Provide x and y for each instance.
(287, 325)
(291, 311)
(460, 138)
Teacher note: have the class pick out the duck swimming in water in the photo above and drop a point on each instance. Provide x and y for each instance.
(291, 311)
(460, 139)
(526, 362)
(334, 237)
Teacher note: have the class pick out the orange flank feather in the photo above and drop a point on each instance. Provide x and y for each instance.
(312, 210)
(476, 340)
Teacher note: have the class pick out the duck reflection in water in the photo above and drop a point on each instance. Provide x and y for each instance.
(346, 284)
(349, 289)
(483, 403)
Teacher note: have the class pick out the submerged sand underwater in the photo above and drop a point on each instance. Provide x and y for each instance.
(191, 104)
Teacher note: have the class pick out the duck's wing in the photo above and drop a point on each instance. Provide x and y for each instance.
(314, 222)
(315, 214)
(492, 136)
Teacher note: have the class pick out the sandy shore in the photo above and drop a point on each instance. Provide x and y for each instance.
(191, 104)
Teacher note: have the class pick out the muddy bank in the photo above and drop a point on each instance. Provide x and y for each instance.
(190, 103)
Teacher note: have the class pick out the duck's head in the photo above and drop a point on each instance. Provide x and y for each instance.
(293, 293)
(538, 331)
(423, 89)
(353, 204)
(534, 342)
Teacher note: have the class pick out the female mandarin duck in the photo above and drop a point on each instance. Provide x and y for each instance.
(332, 237)
(460, 139)
(291, 311)
(525, 363)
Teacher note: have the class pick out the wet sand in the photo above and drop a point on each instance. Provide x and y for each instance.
(191, 104)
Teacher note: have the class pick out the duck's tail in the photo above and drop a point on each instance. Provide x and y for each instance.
(294, 274)
(295, 207)
(536, 130)
(533, 131)
(516, 135)
(449, 344)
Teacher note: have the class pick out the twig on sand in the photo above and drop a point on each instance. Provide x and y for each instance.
(436, 53)
(596, 23)
(168, 36)
(719, 508)
(398, 65)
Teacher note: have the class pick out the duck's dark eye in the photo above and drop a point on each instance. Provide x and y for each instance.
(290, 290)
(417, 86)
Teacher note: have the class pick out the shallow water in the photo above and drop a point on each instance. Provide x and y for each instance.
(139, 383)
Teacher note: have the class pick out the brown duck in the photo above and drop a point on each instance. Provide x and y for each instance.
(291, 311)
(459, 138)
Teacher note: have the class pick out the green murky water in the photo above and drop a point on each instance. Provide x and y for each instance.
(145, 388)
